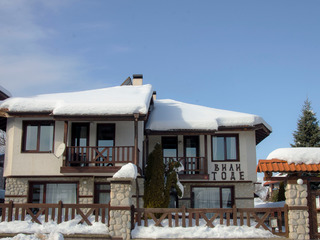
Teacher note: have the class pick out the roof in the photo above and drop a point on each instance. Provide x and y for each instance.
(170, 115)
(4, 93)
(276, 165)
(120, 100)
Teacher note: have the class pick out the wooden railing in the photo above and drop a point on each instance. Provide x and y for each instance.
(56, 212)
(98, 156)
(192, 165)
(188, 217)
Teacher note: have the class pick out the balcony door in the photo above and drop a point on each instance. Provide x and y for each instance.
(191, 153)
(169, 148)
(79, 142)
(105, 143)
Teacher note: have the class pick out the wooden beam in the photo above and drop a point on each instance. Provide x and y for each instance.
(136, 118)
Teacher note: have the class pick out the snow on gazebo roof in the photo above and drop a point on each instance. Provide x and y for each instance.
(120, 100)
(170, 115)
(297, 155)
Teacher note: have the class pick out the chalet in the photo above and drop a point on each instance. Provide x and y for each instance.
(65, 146)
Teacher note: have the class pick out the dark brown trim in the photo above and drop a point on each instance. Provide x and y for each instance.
(86, 196)
(179, 132)
(98, 117)
(140, 196)
(298, 208)
(206, 155)
(88, 170)
(15, 196)
(225, 147)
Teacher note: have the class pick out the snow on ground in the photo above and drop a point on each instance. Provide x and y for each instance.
(295, 155)
(127, 171)
(53, 231)
(258, 203)
(68, 227)
(106, 101)
(219, 231)
(37, 236)
(171, 115)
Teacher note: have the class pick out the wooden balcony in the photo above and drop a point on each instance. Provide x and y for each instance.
(96, 159)
(194, 167)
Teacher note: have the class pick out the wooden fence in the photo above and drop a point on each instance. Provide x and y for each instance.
(173, 217)
(188, 217)
(56, 212)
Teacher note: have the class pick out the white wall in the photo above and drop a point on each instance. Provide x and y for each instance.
(244, 170)
(43, 164)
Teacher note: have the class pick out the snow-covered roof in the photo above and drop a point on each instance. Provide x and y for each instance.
(120, 100)
(297, 155)
(169, 115)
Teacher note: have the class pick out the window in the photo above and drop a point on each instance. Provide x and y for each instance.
(53, 192)
(212, 197)
(225, 148)
(169, 147)
(38, 136)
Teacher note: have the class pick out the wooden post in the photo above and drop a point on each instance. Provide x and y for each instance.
(205, 163)
(136, 117)
(65, 139)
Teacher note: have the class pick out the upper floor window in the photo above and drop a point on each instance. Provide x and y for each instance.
(169, 147)
(225, 147)
(38, 136)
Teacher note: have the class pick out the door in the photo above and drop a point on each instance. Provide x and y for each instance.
(79, 142)
(314, 210)
(191, 153)
(105, 143)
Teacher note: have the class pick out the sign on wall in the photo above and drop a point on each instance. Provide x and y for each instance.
(226, 172)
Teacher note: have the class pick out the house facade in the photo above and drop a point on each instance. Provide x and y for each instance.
(67, 146)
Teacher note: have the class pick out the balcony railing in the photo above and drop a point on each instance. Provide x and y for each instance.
(192, 165)
(98, 156)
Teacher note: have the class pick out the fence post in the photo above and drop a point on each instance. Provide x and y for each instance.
(120, 208)
(234, 213)
(10, 210)
(296, 199)
(60, 212)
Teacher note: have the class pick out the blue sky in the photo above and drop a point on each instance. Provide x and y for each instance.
(260, 57)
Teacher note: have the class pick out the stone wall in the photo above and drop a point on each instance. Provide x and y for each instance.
(16, 190)
(298, 216)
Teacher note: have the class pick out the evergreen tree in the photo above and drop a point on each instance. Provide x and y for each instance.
(308, 132)
(160, 180)
(154, 179)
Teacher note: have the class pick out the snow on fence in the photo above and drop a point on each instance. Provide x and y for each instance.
(189, 217)
(56, 212)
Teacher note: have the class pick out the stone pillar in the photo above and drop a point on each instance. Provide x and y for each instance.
(120, 207)
(296, 199)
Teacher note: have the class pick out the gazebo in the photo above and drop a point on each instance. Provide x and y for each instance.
(300, 170)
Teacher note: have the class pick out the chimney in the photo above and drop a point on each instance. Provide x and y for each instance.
(137, 79)
(154, 95)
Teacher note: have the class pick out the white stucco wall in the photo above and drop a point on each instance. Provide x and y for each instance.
(243, 170)
(47, 164)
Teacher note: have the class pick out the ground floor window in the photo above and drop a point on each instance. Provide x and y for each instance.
(102, 193)
(213, 197)
(53, 192)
